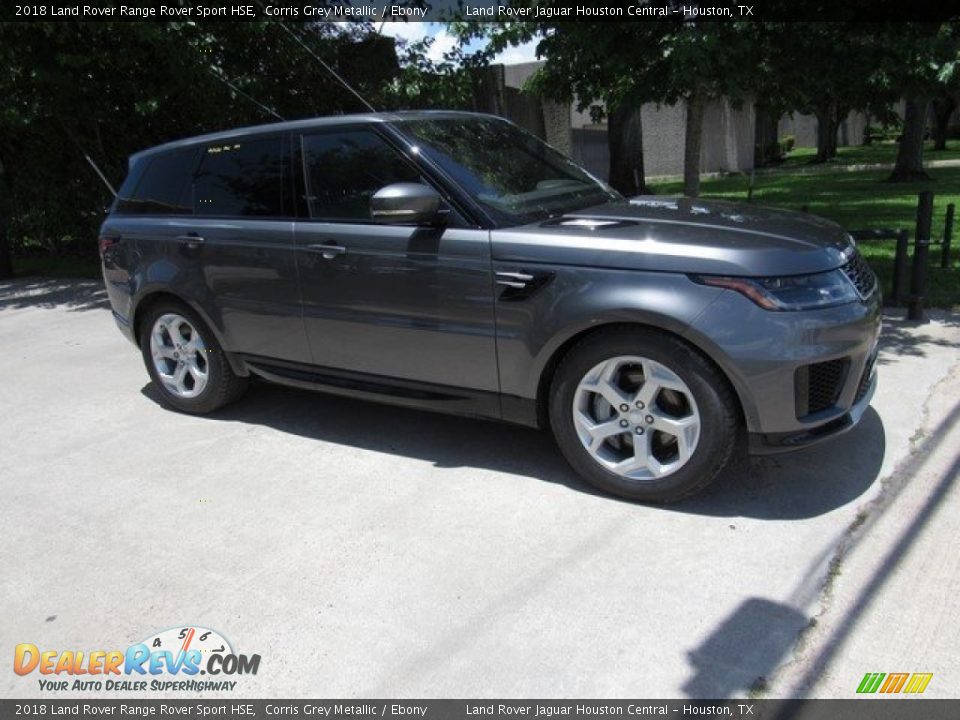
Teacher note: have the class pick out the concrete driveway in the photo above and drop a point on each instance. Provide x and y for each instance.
(367, 551)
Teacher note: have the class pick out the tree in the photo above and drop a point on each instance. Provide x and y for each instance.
(598, 67)
(942, 108)
(452, 81)
(909, 163)
(822, 69)
(614, 68)
(922, 51)
(107, 90)
(947, 97)
(704, 62)
(625, 141)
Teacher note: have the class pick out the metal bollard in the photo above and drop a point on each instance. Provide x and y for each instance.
(900, 266)
(947, 237)
(921, 252)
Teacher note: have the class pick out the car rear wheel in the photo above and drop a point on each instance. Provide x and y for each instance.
(186, 363)
(642, 415)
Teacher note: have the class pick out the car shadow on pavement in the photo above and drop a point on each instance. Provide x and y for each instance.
(803, 484)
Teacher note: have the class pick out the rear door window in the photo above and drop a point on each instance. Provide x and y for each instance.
(241, 178)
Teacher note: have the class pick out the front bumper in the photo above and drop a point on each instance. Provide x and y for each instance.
(801, 377)
(770, 443)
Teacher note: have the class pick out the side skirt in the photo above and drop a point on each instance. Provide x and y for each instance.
(406, 393)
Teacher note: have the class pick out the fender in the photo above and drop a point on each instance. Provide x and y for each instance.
(156, 291)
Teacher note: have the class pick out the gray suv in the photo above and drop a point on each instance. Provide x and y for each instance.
(451, 261)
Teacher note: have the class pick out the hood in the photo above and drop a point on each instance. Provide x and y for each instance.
(681, 235)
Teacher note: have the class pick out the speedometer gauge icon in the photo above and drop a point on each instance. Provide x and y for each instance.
(183, 639)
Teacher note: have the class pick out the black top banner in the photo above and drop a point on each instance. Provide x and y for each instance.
(482, 11)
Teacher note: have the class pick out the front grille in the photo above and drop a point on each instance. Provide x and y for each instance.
(861, 275)
(818, 386)
(865, 380)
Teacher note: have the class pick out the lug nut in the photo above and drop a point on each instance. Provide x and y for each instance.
(623, 423)
(640, 405)
(638, 430)
(624, 407)
(649, 419)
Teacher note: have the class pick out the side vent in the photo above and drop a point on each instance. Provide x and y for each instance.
(521, 284)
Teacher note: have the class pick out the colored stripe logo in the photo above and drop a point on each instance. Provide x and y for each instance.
(912, 683)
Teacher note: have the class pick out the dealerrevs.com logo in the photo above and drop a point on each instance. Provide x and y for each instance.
(171, 660)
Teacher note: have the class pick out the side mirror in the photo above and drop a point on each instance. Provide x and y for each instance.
(405, 204)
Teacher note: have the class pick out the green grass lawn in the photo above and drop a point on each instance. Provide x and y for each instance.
(857, 200)
(877, 153)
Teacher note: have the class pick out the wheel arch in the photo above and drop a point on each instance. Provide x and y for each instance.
(150, 299)
(553, 362)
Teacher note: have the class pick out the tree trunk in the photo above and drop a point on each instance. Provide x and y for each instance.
(6, 257)
(693, 140)
(827, 125)
(943, 108)
(833, 141)
(625, 142)
(909, 164)
(766, 145)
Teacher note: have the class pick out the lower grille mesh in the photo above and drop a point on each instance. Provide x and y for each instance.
(865, 380)
(818, 385)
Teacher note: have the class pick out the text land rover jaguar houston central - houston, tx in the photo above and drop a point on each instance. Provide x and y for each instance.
(452, 261)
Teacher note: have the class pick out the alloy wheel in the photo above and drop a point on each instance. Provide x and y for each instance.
(179, 356)
(636, 418)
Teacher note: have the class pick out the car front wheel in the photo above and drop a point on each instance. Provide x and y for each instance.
(642, 415)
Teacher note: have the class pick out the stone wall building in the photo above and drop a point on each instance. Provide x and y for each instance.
(803, 128)
(730, 132)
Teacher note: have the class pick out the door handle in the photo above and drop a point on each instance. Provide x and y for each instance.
(327, 252)
(191, 240)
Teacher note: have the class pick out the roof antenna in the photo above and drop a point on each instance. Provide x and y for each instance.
(100, 173)
(329, 69)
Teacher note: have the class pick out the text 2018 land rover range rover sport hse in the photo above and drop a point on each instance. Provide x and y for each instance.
(450, 261)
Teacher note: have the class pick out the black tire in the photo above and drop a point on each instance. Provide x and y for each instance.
(720, 420)
(222, 387)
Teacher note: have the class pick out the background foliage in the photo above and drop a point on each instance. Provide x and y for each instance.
(107, 90)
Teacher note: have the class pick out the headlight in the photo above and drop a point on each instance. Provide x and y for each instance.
(795, 292)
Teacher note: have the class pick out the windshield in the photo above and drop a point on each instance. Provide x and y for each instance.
(516, 178)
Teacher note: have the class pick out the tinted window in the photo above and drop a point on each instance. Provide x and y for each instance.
(240, 178)
(164, 188)
(344, 169)
(514, 175)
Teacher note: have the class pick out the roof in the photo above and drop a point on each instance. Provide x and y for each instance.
(305, 124)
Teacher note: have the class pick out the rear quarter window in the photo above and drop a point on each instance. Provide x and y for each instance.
(164, 186)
